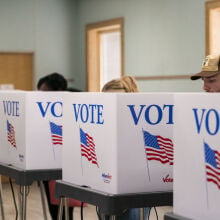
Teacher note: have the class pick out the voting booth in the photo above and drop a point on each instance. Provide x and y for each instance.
(119, 142)
(31, 129)
(197, 156)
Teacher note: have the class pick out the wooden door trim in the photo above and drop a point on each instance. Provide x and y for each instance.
(208, 7)
(105, 24)
(98, 28)
(162, 77)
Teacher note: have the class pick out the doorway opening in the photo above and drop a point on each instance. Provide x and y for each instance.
(104, 52)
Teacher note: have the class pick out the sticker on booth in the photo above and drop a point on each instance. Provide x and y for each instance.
(106, 178)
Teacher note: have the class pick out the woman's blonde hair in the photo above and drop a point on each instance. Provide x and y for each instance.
(126, 83)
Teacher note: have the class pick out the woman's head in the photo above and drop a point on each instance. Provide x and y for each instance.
(123, 84)
(52, 82)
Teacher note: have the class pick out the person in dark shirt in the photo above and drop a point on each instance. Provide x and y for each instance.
(54, 82)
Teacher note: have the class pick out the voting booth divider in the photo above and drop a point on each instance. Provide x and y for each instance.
(197, 156)
(113, 142)
(31, 127)
(119, 142)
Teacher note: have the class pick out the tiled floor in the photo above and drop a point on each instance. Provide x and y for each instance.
(34, 206)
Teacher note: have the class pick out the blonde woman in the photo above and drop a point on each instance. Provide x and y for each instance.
(125, 84)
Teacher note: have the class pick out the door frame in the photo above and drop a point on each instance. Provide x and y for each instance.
(209, 6)
(93, 32)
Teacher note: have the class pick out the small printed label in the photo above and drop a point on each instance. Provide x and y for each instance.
(106, 178)
(167, 179)
(21, 157)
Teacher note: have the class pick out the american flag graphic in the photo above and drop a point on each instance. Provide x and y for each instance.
(158, 148)
(212, 163)
(88, 147)
(56, 133)
(11, 134)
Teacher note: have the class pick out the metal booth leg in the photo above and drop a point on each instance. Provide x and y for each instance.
(60, 211)
(42, 193)
(1, 201)
(141, 213)
(24, 193)
(66, 208)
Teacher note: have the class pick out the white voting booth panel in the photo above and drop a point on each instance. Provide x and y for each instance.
(118, 142)
(197, 156)
(31, 129)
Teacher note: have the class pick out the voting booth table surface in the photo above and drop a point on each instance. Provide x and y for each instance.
(171, 216)
(197, 156)
(112, 204)
(31, 137)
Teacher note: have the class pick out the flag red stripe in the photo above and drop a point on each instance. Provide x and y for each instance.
(158, 159)
(210, 168)
(85, 151)
(214, 181)
(211, 175)
(60, 143)
(159, 155)
(217, 154)
(166, 147)
(164, 140)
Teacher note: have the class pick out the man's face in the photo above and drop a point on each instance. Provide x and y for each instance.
(212, 84)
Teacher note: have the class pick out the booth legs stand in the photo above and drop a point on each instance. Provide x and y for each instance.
(25, 178)
(60, 211)
(63, 202)
(24, 193)
(40, 183)
(111, 204)
(1, 201)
